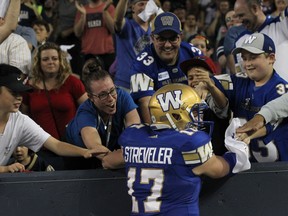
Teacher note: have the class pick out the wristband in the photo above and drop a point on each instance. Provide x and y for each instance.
(230, 157)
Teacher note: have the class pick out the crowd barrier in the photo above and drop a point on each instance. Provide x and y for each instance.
(261, 191)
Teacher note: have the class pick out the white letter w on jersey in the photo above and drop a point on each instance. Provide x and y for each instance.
(170, 98)
(141, 82)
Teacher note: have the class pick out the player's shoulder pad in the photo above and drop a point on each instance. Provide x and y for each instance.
(195, 138)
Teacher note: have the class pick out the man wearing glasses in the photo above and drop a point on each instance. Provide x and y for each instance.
(100, 120)
(158, 64)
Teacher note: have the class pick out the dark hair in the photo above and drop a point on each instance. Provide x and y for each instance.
(250, 3)
(31, 153)
(177, 5)
(94, 76)
(96, 60)
(42, 23)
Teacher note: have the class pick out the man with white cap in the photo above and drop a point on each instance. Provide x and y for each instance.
(159, 63)
(247, 92)
(17, 129)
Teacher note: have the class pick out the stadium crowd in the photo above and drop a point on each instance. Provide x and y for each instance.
(83, 71)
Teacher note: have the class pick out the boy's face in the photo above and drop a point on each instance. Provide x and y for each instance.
(191, 75)
(9, 101)
(41, 33)
(258, 67)
(20, 153)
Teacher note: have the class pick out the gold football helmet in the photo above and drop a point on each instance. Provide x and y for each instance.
(176, 106)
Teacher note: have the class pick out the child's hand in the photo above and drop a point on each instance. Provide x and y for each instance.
(243, 137)
(16, 167)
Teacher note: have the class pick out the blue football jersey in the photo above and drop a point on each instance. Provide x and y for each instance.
(149, 73)
(245, 100)
(159, 167)
(276, 29)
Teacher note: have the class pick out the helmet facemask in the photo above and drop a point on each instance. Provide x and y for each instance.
(196, 114)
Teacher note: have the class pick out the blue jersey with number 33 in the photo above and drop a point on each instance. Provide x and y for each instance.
(149, 73)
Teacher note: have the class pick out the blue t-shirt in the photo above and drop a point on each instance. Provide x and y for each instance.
(149, 73)
(130, 41)
(159, 167)
(88, 115)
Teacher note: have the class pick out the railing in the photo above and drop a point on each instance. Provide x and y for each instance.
(261, 191)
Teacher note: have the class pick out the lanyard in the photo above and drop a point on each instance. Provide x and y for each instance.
(107, 127)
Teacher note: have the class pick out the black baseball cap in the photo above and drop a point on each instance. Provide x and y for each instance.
(202, 61)
(10, 77)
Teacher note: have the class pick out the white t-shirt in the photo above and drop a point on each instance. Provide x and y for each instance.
(20, 130)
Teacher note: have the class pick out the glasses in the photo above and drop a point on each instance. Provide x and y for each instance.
(104, 95)
(162, 40)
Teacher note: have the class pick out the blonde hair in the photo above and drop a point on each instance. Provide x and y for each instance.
(64, 69)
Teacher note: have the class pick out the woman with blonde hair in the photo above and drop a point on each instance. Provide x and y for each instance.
(56, 92)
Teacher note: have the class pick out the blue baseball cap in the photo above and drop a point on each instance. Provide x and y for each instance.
(166, 22)
(256, 43)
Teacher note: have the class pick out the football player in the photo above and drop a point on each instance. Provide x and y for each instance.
(164, 160)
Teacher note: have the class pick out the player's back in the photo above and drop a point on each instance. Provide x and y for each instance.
(159, 167)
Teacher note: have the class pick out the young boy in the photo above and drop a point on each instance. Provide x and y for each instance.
(202, 68)
(42, 31)
(18, 129)
(248, 92)
(30, 160)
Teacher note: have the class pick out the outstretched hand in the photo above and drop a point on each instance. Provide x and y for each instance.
(100, 151)
(253, 125)
(16, 167)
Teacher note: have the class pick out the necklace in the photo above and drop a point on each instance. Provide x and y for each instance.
(107, 127)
